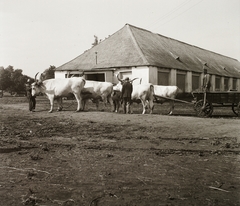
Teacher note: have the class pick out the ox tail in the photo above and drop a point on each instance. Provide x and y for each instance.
(110, 95)
(84, 81)
(152, 89)
(150, 95)
(179, 93)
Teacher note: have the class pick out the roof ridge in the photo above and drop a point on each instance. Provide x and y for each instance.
(181, 42)
(136, 45)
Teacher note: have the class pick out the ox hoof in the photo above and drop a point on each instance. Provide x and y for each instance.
(50, 111)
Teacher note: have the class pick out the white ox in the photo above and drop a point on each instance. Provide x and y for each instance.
(142, 92)
(97, 91)
(58, 88)
(168, 92)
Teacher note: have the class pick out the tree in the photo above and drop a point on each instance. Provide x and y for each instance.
(10, 69)
(18, 85)
(5, 79)
(49, 73)
(12, 80)
(95, 41)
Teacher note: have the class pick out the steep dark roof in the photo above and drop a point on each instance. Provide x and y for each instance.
(133, 46)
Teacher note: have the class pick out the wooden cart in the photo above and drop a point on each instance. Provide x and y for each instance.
(216, 99)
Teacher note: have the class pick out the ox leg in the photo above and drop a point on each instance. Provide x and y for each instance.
(117, 103)
(79, 99)
(105, 100)
(97, 104)
(59, 101)
(111, 103)
(131, 106)
(128, 109)
(51, 99)
(83, 103)
(171, 107)
(144, 106)
(151, 106)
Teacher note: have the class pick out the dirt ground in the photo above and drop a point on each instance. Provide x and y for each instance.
(102, 158)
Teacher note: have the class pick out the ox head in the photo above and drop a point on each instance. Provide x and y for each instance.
(118, 86)
(124, 80)
(37, 85)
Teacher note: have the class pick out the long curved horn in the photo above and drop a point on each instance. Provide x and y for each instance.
(119, 78)
(132, 80)
(36, 77)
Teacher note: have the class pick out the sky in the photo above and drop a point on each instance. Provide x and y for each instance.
(35, 34)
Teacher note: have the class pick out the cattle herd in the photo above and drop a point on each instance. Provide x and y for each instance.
(83, 90)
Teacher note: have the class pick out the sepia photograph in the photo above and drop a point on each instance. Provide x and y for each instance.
(120, 103)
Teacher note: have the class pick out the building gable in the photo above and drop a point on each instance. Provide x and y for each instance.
(132, 47)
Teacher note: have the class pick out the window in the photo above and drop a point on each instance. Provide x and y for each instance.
(195, 81)
(226, 84)
(72, 75)
(181, 80)
(163, 78)
(96, 77)
(234, 85)
(217, 83)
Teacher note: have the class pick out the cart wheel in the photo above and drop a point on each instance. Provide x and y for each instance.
(236, 109)
(206, 112)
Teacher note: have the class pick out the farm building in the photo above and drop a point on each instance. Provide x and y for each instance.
(153, 58)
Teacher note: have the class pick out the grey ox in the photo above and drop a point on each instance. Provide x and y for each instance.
(96, 91)
(169, 92)
(142, 92)
(58, 88)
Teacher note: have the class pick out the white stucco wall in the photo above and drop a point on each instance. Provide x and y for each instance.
(150, 75)
(153, 75)
(141, 73)
(59, 74)
(109, 75)
(135, 72)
